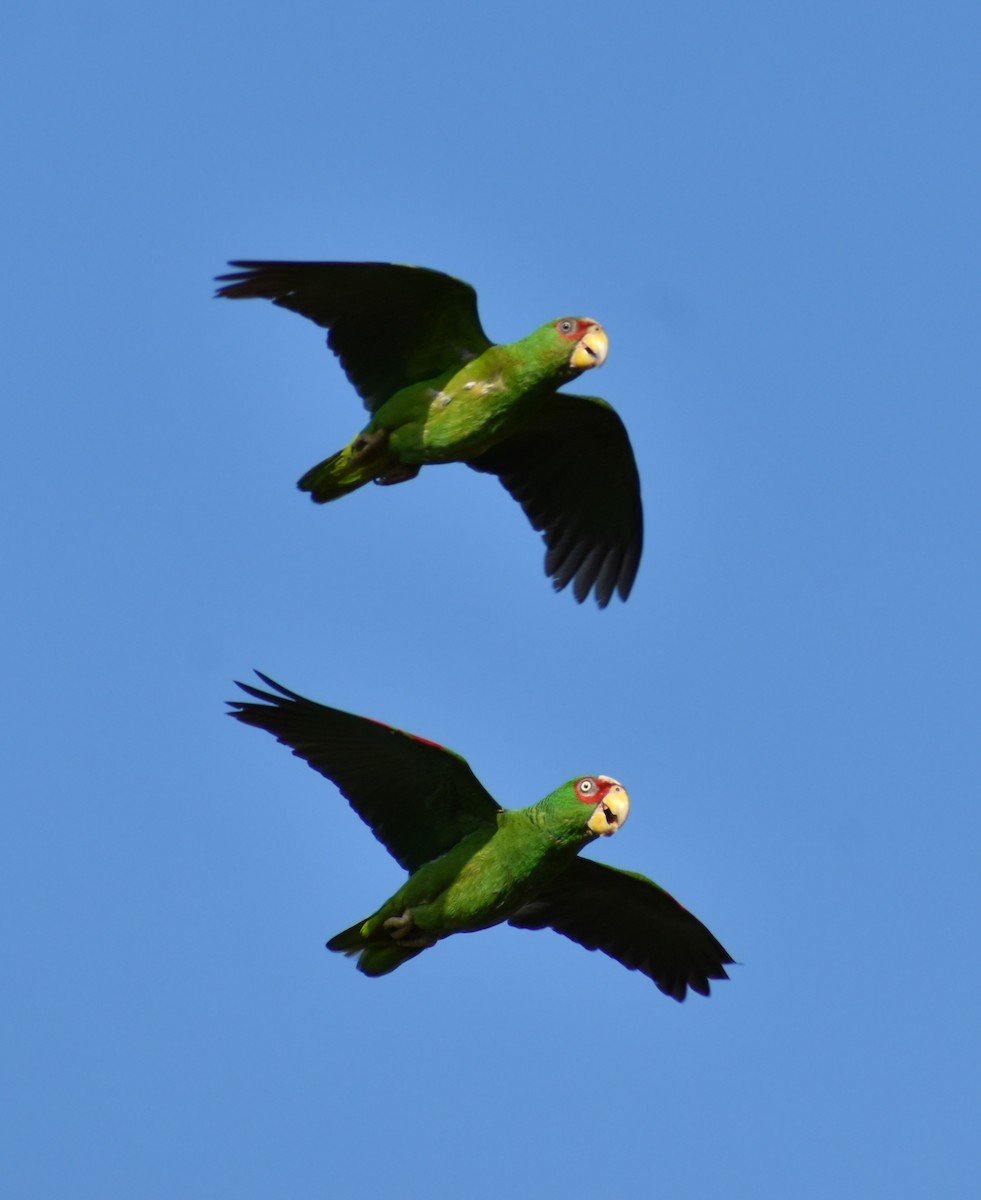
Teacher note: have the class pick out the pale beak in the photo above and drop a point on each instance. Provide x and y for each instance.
(591, 349)
(611, 812)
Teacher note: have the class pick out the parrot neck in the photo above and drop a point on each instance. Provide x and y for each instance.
(538, 362)
(565, 828)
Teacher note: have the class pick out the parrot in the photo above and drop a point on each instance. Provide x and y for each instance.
(438, 390)
(473, 864)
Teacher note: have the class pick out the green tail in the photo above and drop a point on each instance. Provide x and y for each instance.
(376, 958)
(343, 472)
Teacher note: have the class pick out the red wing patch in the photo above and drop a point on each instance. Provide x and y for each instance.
(426, 742)
(414, 736)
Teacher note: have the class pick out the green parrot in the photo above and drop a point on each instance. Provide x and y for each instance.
(438, 390)
(472, 863)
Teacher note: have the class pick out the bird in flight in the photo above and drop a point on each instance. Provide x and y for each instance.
(438, 391)
(472, 863)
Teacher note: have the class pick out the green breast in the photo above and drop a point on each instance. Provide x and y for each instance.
(505, 872)
(460, 414)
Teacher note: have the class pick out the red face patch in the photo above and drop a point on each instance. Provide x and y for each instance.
(572, 328)
(591, 790)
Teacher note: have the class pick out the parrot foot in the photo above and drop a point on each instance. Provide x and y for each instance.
(366, 444)
(398, 474)
(400, 927)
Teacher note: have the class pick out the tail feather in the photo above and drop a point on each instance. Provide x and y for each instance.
(348, 941)
(336, 476)
(378, 956)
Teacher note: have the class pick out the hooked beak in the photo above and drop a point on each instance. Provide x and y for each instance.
(611, 812)
(591, 349)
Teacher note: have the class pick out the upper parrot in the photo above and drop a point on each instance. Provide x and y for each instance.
(474, 864)
(438, 390)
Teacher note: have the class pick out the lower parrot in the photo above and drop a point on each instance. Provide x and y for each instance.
(473, 864)
(439, 391)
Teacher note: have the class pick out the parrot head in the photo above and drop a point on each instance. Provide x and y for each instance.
(607, 807)
(610, 801)
(565, 348)
(589, 341)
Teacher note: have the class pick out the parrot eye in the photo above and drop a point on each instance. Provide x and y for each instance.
(586, 787)
(567, 326)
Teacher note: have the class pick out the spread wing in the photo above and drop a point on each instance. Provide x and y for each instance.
(419, 799)
(572, 469)
(389, 325)
(632, 920)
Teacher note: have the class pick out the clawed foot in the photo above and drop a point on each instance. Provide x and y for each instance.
(398, 474)
(399, 928)
(366, 444)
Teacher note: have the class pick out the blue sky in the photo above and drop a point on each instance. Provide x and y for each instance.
(774, 212)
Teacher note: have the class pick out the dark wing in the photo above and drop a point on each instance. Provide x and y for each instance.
(572, 469)
(632, 920)
(419, 799)
(390, 325)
